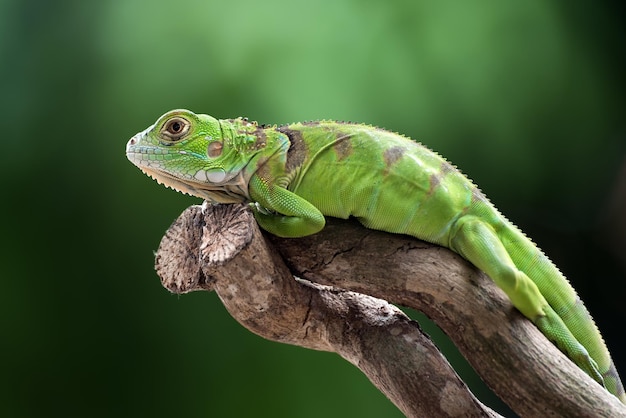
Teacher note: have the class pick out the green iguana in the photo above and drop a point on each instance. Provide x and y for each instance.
(295, 174)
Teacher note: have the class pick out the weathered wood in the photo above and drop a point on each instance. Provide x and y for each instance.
(220, 248)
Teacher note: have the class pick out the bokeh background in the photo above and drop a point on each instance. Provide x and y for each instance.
(527, 98)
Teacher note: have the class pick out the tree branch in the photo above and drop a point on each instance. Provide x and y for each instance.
(221, 248)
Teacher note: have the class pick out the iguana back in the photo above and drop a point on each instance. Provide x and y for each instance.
(386, 181)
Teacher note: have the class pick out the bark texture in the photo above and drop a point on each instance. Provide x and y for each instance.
(348, 276)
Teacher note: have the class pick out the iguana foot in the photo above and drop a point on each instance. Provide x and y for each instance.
(553, 327)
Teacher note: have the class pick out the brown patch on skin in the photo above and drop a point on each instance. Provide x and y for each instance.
(342, 145)
(613, 374)
(261, 137)
(447, 168)
(312, 123)
(391, 156)
(298, 150)
(435, 181)
(478, 196)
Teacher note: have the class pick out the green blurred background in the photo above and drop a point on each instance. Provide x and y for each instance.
(527, 98)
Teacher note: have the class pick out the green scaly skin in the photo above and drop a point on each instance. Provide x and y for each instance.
(296, 174)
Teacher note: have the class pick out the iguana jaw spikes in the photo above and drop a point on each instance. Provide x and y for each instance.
(230, 193)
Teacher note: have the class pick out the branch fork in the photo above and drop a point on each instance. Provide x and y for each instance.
(332, 291)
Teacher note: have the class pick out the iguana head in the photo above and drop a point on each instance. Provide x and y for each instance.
(200, 155)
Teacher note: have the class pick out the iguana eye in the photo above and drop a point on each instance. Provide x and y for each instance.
(175, 128)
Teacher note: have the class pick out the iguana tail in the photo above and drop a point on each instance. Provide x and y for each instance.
(563, 299)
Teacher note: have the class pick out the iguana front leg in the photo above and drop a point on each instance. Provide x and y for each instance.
(477, 241)
(293, 217)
